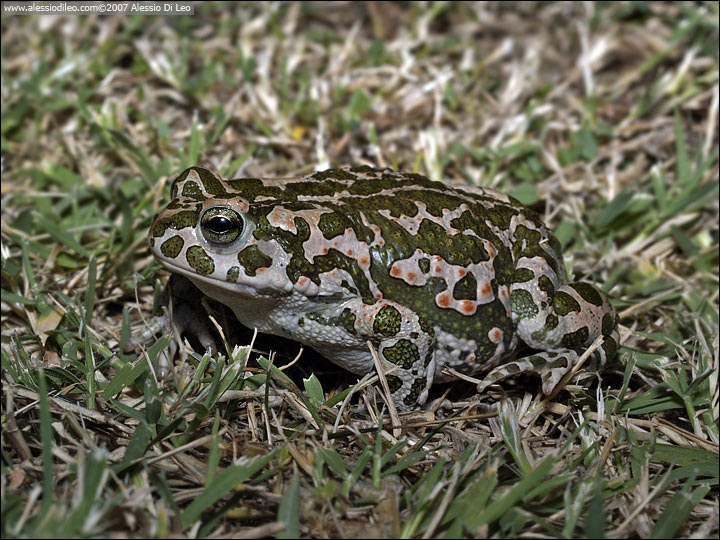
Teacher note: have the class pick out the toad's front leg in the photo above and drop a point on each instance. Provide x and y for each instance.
(405, 350)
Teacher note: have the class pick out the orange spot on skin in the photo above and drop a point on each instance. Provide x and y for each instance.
(302, 281)
(378, 295)
(349, 252)
(471, 358)
(395, 271)
(443, 300)
(412, 277)
(486, 290)
(461, 272)
(381, 242)
(468, 306)
(325, 251)
(365, 261)
(496, 334)
(438, 270)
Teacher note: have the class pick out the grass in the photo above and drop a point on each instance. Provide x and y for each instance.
(602, 116)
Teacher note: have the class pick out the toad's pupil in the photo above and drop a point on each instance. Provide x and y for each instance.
(220, 224)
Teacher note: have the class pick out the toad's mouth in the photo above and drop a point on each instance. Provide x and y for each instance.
(221, 288)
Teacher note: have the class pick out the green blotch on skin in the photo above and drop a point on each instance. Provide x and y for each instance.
(387, 321)
(576, 339)
(458, 249)
(394, 383)
(185, 218)
(466, 288)
(610, 347)
(176, 183)
(528, 244)
(563, 304)
(363, 169)
(252, 258)
(522, 305)
(180, 220)
(424, 265)
(272, 293)
(523, 275)
(561, 362)
(546, 285)
(551, 322)
(334, 174)
(159, 228)
(332, 224)
(416, 389)
(252, 188)
(345, 320)
(232, 274)
(172, 247)
(608, 324)
(199, 260)
(192, 190)
(327, 188)
(210, 182)
(588, 293)
(429, 356)
(404, 353)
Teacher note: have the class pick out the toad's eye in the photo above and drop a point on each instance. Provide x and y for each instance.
(221, 225)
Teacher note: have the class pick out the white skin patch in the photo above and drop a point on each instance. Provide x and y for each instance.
(495, 335)
(485, 192)
(454, 356)
(282, 219)
(347, 244)
(519, 219)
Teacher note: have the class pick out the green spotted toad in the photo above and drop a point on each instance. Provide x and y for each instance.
(434, 276)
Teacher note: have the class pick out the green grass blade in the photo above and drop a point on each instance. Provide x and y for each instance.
(678, 510)
(93, 476)
(214, 455)
(595, 516)
(224, 483)
(498, 507)
(289, 511)
(90, 291)
(61, 235)
(46, 437)
(136, 448)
